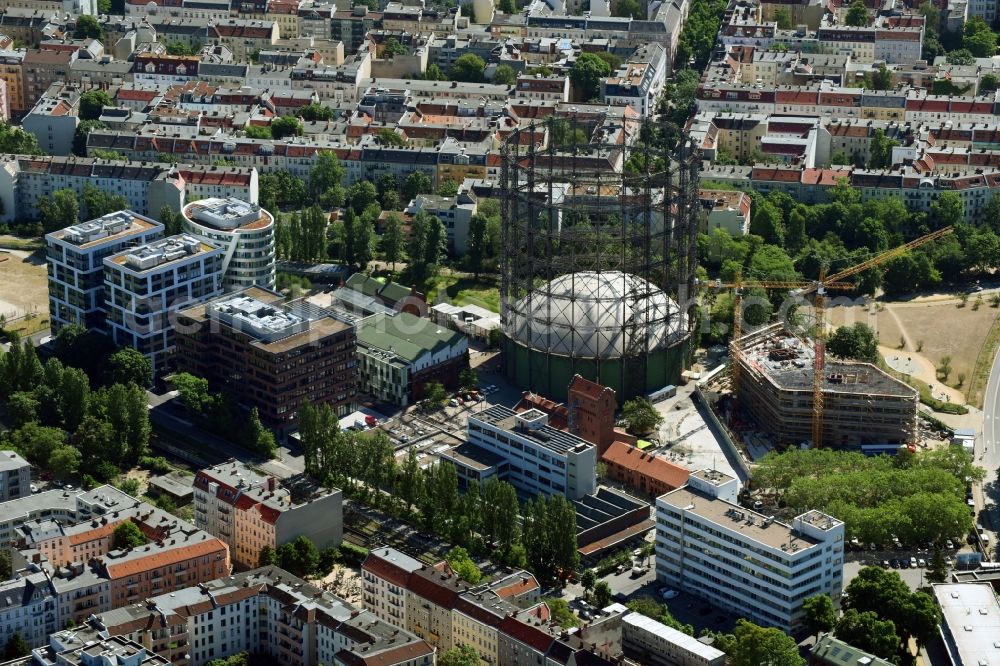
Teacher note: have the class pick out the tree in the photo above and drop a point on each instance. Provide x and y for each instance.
(83, 130)
(783, 17)
(16, 647)
(881, 150)
(881, 78)
(127, 535)
(820, 613)
(752, 645)
(641, 416)
(477, 243)
(87, 27)
(447, 188)
(938, 569)
(64, 462)
(988, 83)
(867, 632)
(286, 126)
(129, 366)
(92, 104)
(857, 14)
(434, 395)
(99, 203)
(416, 183)
(627, 9)
(37, 443)
(171, 220)
(59, 211)
(326, 173)
(459, 655)
(885, 594)
(263, 438)
(961, 57)
(315, 112)
(507, 6)
(361, 195)
(505, 75)
(268, 557)
(588, 579)
(434, 73)
(459, 560)
(586, 75)
(392, 239)
(602, 594)
(176, 48)
(561, 613)
(300, 557)
(393, 48)
(468, 378)
(390, 137)
(193, 391)
(468, 67)
(946, 210)
(858, 342)
(979, 39)
(22, 408)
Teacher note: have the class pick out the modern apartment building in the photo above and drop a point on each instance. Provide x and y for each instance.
(248, 511)
(399, 354)
(75, 258)
(540, 459)
(245, 231)
(146, 286)
(655, 644)
(744, 561)
(15, 476)
(271, 355)
(269, 612)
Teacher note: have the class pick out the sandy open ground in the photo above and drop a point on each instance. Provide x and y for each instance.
(23, 283)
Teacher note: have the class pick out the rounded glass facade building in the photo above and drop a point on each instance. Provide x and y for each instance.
(246, 233)
(599, 236)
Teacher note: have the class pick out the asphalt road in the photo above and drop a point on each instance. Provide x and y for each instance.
(988, 454)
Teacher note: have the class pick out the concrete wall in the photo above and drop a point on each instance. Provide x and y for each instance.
(321, 520)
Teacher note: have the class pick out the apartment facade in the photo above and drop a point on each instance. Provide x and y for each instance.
(265, 611)
(147, 285)
(743, 561)
(15, 476)
(245, 231)
(75, 257)
(541, 459)
(250, 511)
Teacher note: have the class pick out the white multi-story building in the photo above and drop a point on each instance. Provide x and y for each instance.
(144, 285)
(249, 511)
(540, 458)
(744, 561)
(15, 476)
(76, 264)
(245, 231)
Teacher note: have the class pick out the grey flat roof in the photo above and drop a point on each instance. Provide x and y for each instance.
(971, 626)
(551, 438)
(473, 456)
(11, 460)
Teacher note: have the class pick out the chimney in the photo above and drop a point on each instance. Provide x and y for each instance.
(271, 483)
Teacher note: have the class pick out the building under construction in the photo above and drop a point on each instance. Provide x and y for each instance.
(861, 404)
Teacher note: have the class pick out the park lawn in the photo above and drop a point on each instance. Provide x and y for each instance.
(463, 291)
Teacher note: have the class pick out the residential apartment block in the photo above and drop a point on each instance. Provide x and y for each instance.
(249, 511)
(539, 459)
(245, 231)
(502, 620)
(146, 286)
(15, 476)
(69, 568)
(265, 611)
(75, 258)
(269, 354)
(744, 561)
(400, 353)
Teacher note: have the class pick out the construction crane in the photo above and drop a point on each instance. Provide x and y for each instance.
(818, 288)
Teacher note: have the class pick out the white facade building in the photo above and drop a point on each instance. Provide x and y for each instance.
(246, 233)
(144, 285)
(542, 459)
(743, 561)
(75, 258)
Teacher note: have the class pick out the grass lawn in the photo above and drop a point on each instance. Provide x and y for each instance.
(463, 291)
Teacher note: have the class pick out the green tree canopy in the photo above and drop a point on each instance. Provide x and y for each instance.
(92, 103)
(504, 75)
(857, 14)
(314, 112)
(459, 560)
(867, 632)
(127, 535)
(468, 67)
(459, 655)
(88, 27)
(641, 416)
(286, 126)
(586, 75)
(820, 613)
(858, 342)
(300, 557)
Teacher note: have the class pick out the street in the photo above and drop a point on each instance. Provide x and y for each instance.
(988, 454)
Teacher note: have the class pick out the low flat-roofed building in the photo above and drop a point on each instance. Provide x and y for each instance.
(970, 622)
(271, 354)
(654, 643)
(828, 651)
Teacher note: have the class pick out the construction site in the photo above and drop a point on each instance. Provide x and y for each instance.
(862, 405)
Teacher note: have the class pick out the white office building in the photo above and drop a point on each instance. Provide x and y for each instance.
(75, 258)
(970, 622)
(741, 560)
(539, 458)
(146, 285)
(245, 231)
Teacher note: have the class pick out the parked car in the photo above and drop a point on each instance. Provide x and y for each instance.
(894, 563)
(885, 564)
(949, 544)
(453, 403)
(913, 562)
(921, 563)
(34, 488)
(670, 594)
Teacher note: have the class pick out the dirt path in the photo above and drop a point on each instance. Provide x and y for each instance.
(917, 366)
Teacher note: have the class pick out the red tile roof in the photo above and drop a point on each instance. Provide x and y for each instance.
(651, 465)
